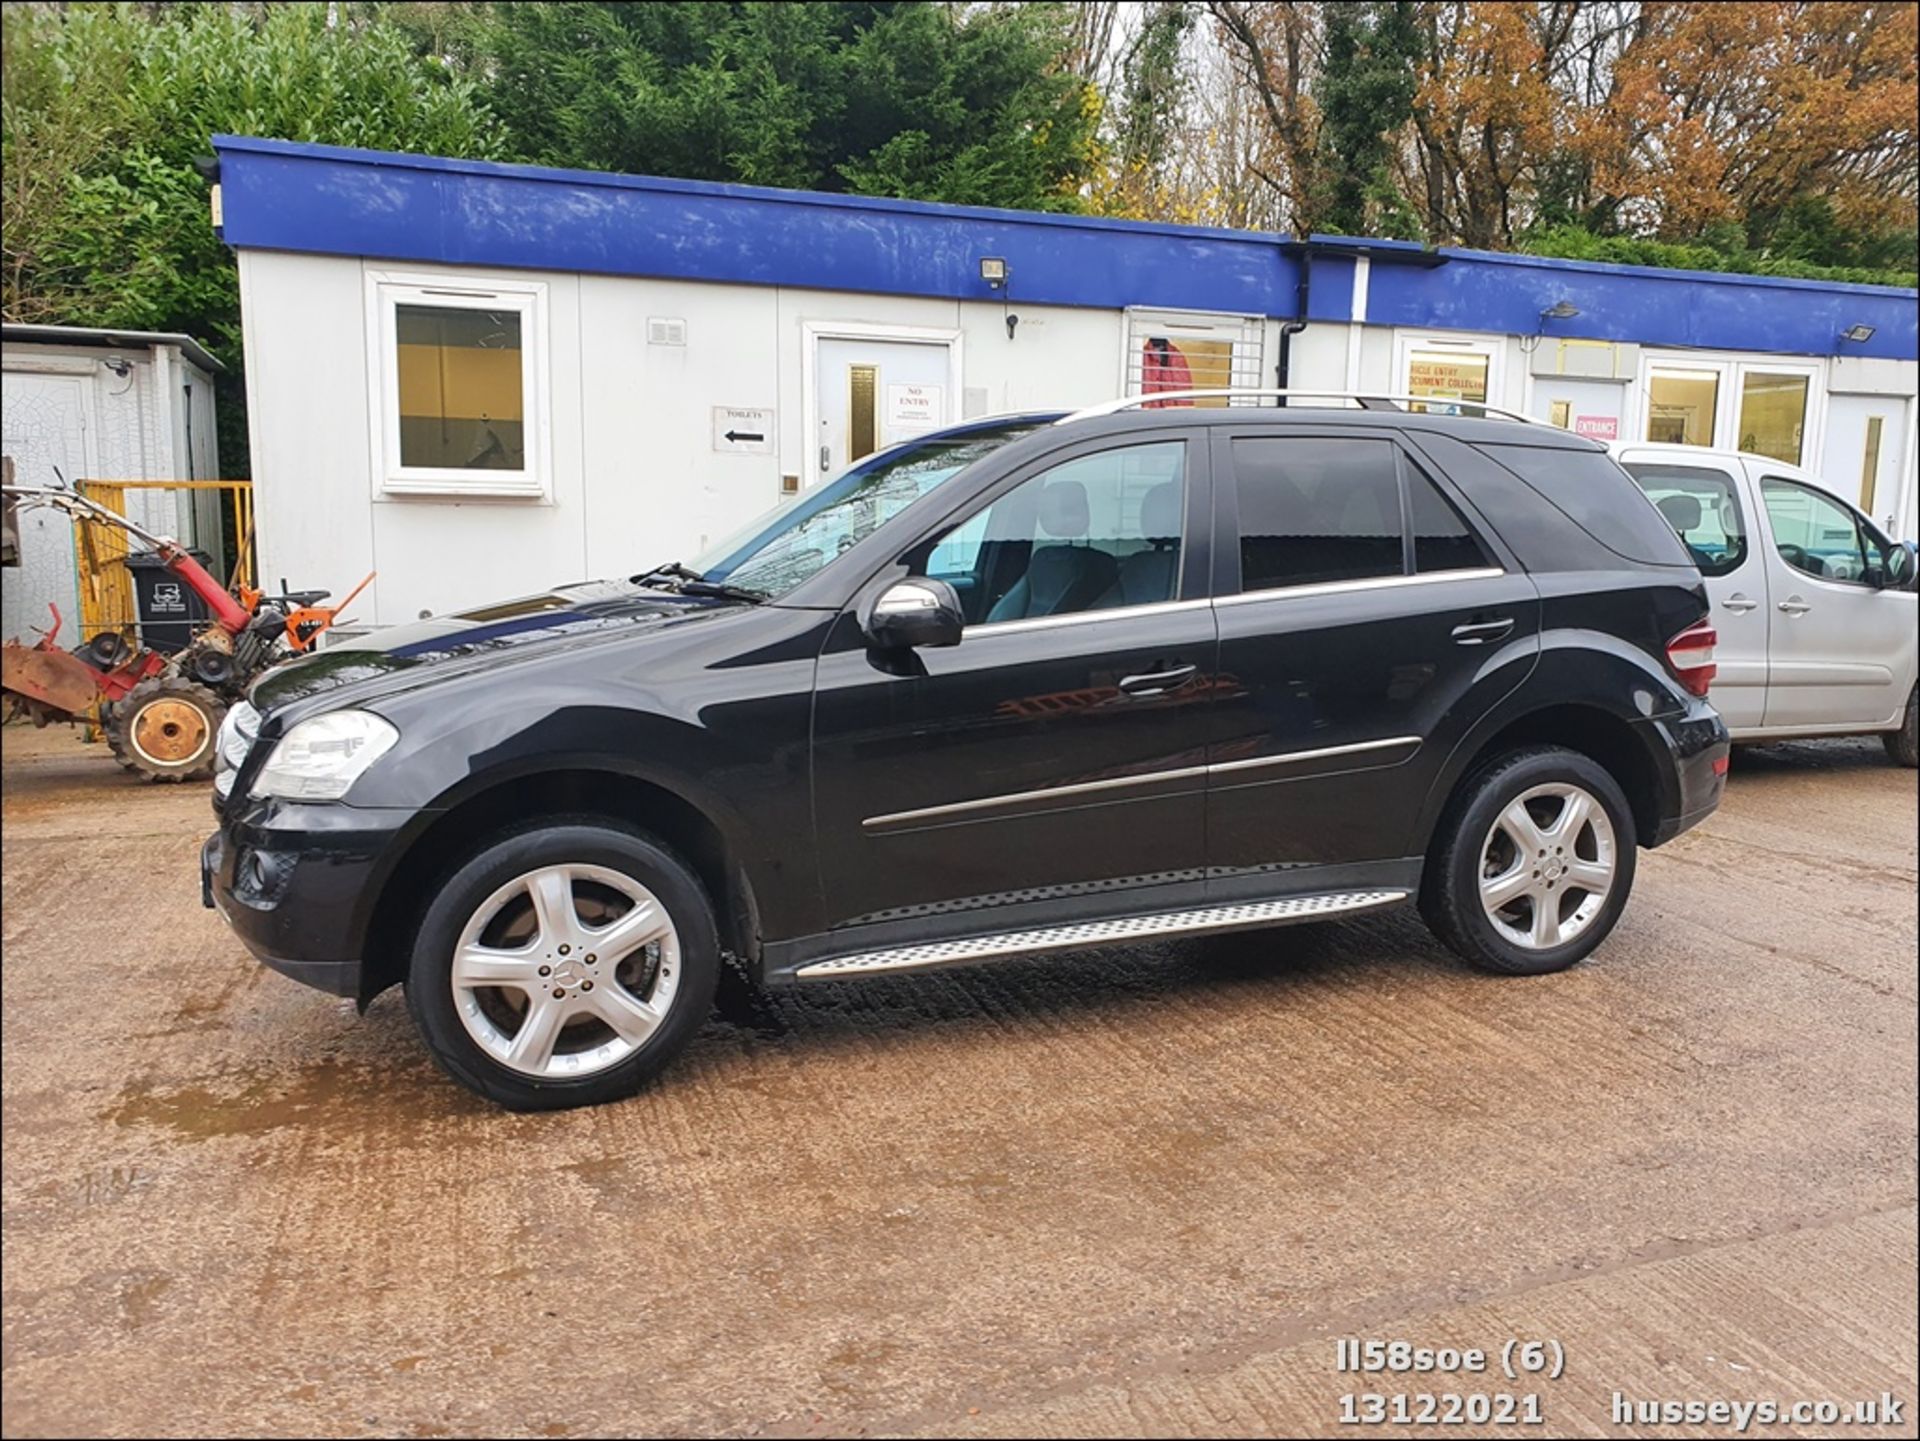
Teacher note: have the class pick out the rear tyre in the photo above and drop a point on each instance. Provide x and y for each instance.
(1903, 745)
(165, 728)
(1533, 863)
(564, 965)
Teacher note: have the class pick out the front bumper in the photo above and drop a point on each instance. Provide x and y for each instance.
(297, 884)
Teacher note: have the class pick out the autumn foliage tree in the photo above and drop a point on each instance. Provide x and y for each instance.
(1772, 132)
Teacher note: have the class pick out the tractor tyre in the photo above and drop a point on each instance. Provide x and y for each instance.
(166, 729)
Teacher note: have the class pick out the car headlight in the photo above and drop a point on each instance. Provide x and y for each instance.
(321, 757)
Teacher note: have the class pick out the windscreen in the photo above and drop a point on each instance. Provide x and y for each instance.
(789, 545)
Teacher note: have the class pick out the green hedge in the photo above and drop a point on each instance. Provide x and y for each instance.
(1570, 242)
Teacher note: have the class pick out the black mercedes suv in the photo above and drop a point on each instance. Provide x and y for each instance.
(1020, 684)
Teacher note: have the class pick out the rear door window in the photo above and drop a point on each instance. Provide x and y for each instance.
(1316, 510)
(1598, 496)
(1441, 539)
(1702, 505)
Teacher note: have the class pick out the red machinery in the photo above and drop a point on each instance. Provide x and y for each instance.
(161, 713)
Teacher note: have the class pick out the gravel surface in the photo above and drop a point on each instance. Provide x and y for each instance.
(1130, 1191)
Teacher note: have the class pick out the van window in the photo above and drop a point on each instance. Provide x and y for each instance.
(1598, 496)
(1703, 507)
(1814, 534)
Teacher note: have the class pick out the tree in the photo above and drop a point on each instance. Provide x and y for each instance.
(1366, 87)
(962, 104)
(104, 110)
(1773, 133)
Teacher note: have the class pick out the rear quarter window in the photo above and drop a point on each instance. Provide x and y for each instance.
(1591, 490)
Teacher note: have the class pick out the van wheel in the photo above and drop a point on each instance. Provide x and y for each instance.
(1903, 745)
(564, 965)
(1532, 867)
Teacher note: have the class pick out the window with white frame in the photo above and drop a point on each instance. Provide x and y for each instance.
(459, 386)
(1455, 370)
(1193, 350)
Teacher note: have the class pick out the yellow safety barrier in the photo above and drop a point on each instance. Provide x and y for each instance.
(100, 550)
(100, 554)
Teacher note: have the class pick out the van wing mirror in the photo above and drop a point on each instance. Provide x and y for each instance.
(915, 612)
(1901, 565)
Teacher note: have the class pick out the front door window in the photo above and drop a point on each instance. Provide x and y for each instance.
(1814, 535)
(1093, 533)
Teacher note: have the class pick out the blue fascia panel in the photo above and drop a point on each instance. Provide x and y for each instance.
(329, 200)
(1479, 290)
(281, 195)
(1331, 294)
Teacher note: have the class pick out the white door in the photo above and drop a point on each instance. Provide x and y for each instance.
(1841, 648)
(870, 394)
(1866, 437)
(44, 427)
(1710, 508)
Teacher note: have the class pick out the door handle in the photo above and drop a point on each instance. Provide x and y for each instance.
(1158, 682)
(1740, 603)
(1480, 632)
(826, 458)
(1795, 606)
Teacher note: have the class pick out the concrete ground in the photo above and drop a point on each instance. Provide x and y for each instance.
(1135, 1191)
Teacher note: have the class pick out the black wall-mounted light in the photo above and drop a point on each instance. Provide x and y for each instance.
(1858, 334)
(1560, 310)
(996, 272)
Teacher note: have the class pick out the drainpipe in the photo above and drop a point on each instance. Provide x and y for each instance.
(1302, 292)
(1334, 246)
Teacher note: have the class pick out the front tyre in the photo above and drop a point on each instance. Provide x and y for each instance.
(1533, 865)
(1903, 745)
(564, 965)
(165, 729)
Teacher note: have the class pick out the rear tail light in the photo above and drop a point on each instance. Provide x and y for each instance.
(1690, 657)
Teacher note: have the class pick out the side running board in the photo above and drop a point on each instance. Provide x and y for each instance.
(1241, 915)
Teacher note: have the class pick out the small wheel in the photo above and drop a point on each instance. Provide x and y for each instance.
(1903, 745)
(564, 965)
(165, 729)
(1533, 866)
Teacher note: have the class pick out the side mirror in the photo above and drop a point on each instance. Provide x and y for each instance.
(915, 612)
(1901, 566)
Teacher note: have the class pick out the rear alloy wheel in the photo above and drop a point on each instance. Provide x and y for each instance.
(165, 728)
(1547, 866)
(1903, 745)
(1533, 864)
(563, 966)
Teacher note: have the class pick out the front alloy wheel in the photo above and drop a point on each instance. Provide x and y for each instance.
(566, 971)
(564, 964)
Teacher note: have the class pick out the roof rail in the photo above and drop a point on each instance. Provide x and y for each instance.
(1358, 397)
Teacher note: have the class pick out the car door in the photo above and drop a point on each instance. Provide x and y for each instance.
(1051, 764)
(1366, 624)
(1841, 648)
(1705, 502)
